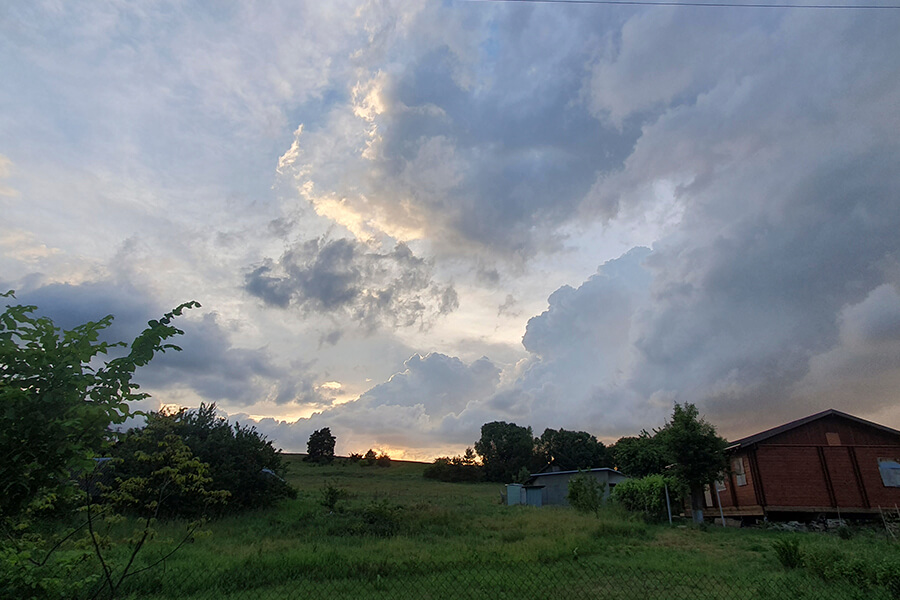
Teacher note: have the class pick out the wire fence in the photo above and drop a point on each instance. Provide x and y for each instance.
(571, 580)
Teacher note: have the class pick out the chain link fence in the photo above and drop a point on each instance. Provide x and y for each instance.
(572, 580)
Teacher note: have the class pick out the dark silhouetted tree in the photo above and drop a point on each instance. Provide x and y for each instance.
(640, 456)
(571, 450)
(505, 448)
(320, 447)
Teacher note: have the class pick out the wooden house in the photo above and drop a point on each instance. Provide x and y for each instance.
(827, 463)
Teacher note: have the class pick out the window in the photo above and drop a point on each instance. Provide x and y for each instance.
(737, 467)
(890, 471)
(833, 439)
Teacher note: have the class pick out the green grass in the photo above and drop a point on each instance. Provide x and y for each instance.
(396, 534)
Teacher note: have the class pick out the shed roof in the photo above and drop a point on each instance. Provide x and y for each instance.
(571, 472)
(768, 433)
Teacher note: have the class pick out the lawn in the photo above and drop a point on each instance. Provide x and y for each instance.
(394, 534)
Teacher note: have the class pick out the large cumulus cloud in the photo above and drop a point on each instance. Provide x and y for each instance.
(467, 134)
(415, 414)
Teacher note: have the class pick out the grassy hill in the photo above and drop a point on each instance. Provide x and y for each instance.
(392, 533)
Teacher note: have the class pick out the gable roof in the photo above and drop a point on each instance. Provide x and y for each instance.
(764, 435)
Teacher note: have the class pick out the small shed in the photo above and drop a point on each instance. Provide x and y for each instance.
(826, 463)
(554, 485)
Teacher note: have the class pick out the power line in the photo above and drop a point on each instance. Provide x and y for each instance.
(705, 4)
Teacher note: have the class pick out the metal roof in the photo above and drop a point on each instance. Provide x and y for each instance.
(570, 472)
(768, 433)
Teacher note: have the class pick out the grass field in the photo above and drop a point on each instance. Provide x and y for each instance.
(396, 534)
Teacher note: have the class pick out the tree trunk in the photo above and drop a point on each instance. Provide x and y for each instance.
(697, 503)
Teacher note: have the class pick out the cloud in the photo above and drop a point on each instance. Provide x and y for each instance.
(440, 383)
(415, 413)
(451, 144)
(209, 367)
(5, 173)
(346, 279)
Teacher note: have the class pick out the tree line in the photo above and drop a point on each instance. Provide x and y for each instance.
(686, 449)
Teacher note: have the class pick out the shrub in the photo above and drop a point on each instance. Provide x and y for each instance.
(383, 460)
(331, 495)
(381, 519)
(789, 553)
(645, 496)
(586, 493)
(369, 459)
(456, 469)
(240, 459)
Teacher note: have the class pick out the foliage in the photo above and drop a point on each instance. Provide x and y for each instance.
(788, 552)
(646, 496)
(586, 493)
(640, 456)
(331, 495)
(456, 469)
(355, 457)
(383, 460)
(505, 448)
(320, 447)
(58, 403)
(240, 459)
(172, 476)
(369, 458)
(696, 450)
(571, 450)
(446, 534)
(381, 519)
(159, 476)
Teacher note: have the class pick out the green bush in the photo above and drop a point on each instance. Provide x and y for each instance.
(240, 459)
(789, 553)
(586, 494)
(331, 495)
(645, 496)
(381, 519)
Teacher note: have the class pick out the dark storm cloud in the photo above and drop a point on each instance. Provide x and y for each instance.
(72, 305)
(346, 279)
(488, 147)
(208, 364)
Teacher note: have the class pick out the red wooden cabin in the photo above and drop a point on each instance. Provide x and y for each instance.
(829, 462)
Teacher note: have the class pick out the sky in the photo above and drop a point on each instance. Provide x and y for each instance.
(404, 219)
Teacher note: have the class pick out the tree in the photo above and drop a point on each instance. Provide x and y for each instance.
(505, 448)
(571, 450)
(697, 452)
(640, 456)
(320, 447)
